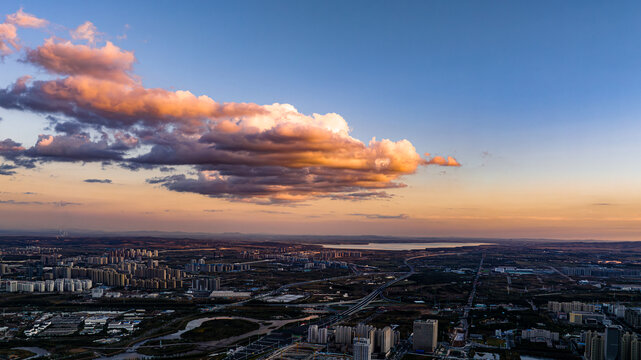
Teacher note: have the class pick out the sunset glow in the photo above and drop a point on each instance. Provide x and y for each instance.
(112, 119)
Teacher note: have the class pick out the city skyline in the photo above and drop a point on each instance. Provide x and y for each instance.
(411, 119)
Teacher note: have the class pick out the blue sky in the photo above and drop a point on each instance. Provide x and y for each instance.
(468, 67)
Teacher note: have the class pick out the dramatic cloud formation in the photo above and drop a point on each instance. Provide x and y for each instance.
(241, 151)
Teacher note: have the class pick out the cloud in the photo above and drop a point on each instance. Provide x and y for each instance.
(213, 210)
(275, 212)
(9, 148)
(8, 39)
(442, 161)
(69, 128)
(23, 19)
(86, 31)
(78, 147)
(45, 203)
(357, 196)
(7, 169)
(65, 58)
(123, 36)
(114, 104)
(266, 154)
(98, 181)
(65, 203)
(382, 217)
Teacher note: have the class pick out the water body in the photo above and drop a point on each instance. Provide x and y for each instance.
(399, 246)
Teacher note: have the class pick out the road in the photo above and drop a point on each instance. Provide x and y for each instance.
(470, 301)
(562, 274)
(270, 342)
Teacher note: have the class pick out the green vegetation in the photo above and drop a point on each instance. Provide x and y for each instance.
(220, 329)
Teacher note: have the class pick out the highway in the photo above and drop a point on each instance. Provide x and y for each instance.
(470, 300)
(270, 342)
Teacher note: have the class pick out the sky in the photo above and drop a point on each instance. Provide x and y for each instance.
(508, 119)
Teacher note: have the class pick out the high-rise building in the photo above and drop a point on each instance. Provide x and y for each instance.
(587, 339)
(362, 348)
(633, 317)
(343, 335)
(635, 347)
(312, 334)
(597, 348)
(612, 340)
(626, 344)
(425, 335)
(385, 339)
(363, 330)
(322, 335)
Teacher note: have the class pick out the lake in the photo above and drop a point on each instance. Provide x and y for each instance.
(399, 246)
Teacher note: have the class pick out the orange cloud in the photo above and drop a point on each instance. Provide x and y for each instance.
(442, 161)
(108, 62)
(241, 151)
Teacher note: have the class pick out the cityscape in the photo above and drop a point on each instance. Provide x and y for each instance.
(249, 299)
(320, 180)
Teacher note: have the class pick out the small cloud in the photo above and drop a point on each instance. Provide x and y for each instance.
(362, 195)
(44, 203)
(443, 161)
(98, 181)
(7, 169)
(123, 36)
(275, 212)
(213, 210)
(86, 31)
(65, 203)
(23, 19)
(602, 204)
(29, 193)
(380, 216)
